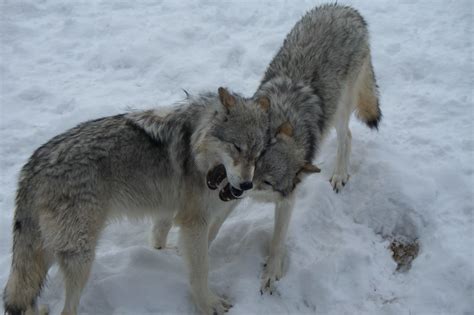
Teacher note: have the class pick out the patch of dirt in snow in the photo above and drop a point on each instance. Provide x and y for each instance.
(404, 252)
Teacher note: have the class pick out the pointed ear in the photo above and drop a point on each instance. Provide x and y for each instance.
(264, 102)
(285, 129)
(310, 168)
(227, 99)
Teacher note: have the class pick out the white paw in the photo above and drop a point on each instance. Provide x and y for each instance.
(272, 272)
(338, 181)
(159, 233)
(168, 247)
(213, 305)
(43, 309)
(158, 244)
(158, 240)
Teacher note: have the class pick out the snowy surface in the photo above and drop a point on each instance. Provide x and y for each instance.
(63, 62)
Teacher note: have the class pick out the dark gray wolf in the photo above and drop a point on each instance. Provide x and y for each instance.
(131, 165)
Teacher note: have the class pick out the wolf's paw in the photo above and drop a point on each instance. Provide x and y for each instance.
(272, 272)
(173, 248)
(43, 309)
(338, 181)
(158, 244)
(159, 233)
(213, 305)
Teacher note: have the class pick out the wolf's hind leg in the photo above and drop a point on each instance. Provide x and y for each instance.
(73, 238)
(162, 224)
(75, 268)
(344, 137)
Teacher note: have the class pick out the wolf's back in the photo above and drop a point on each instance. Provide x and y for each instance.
(326, 49)
(324, 45)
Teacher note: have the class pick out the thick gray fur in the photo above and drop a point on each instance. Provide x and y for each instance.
(305, 82)
(321, 74)
(132, 164)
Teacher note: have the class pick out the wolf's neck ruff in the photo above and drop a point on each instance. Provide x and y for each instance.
(181, 130)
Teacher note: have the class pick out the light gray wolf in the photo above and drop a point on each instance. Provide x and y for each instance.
(131, 165)
(321, 74)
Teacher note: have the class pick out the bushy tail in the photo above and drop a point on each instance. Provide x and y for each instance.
(29, 264)
(368, 109)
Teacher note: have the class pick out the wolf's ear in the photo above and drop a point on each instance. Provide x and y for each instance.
(264, 102)
(310, 168)
(285, 129)
(227, 99)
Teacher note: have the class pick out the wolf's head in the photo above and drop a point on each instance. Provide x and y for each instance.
(237, 137)
(282, 166)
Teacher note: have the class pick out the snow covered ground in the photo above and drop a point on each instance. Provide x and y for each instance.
(63, 62)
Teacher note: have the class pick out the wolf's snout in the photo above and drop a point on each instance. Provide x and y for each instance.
(246, 185)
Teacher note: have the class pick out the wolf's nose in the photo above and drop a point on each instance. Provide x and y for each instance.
(246, 185)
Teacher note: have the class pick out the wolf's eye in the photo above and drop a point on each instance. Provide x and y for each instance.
(237, 148)
(267, 183)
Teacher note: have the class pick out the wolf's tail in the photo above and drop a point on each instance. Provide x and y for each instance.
(29, 262)
(368, 108)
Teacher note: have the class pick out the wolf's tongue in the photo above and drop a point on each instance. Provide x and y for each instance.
(215, 176)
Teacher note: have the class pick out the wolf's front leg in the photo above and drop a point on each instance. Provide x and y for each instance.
(194, 244)
(162, 224)
(273, 268)
(219, 219)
